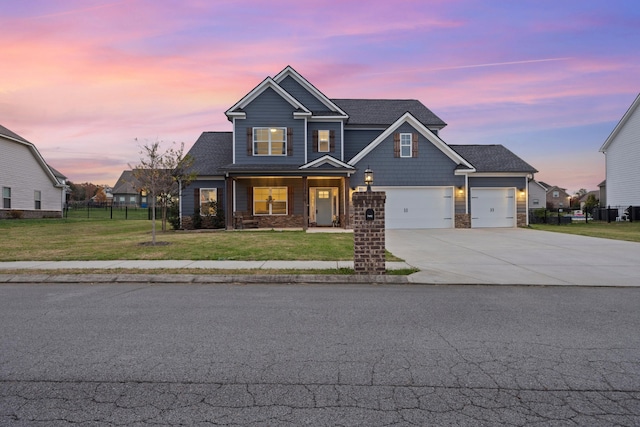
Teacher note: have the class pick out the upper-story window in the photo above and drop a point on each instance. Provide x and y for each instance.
(556, 194)
(269, 141)
(405, 145)
(323, 141)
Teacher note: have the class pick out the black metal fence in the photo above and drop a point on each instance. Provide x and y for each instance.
(99, 211)
(568, 216)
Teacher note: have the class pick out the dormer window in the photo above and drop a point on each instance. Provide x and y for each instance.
(269, 141)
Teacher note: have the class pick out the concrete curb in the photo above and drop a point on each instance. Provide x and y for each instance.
(204, 279)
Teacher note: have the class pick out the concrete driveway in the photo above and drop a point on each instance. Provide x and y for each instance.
(515, 257)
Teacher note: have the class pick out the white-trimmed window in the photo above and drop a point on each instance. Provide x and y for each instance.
(6, 197)
(536, 202)
(324, 144)
(556, 194)
(208, 201)
(270, 200)
(405, 145)
(269, 141)
(37, 198)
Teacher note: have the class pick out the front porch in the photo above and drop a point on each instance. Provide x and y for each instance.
(285, 202)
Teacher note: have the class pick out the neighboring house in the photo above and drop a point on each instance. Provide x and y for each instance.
(556, 197)
(127, 191)
(583, 199)
(622, 157)
(30, 187)
(537, 195)
(294, 158)
(603, 193)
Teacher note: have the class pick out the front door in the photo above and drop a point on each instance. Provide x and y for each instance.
(324, 215)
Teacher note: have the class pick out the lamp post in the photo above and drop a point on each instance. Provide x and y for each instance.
(368, 178)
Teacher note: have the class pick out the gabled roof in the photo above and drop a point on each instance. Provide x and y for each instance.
(492, 158)
(327, 160)
(332, 108)
(211, 151)
(420, 127)
(383, 112)
(126, 184)
(621, 124)
(268, 83)
(12, 136)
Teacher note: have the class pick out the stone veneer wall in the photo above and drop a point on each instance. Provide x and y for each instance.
(463, 221)
(368, 236)
(521, 220)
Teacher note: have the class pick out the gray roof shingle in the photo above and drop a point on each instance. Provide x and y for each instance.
(211, 151)
(383, 112)
(492, 158)
(6, 132)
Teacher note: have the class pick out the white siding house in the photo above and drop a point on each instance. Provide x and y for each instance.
(622, 157)
(30, 188)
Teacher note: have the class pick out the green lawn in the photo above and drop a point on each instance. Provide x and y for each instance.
(86, 239)
(629, 231)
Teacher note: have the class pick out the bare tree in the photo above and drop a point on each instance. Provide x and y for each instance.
(161, 174)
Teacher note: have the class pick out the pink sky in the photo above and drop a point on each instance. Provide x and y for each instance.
(82, 79)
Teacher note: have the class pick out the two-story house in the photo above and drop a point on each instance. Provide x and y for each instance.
(294, 157)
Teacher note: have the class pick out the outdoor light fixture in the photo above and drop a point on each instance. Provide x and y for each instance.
(368, 178)
(460, 190)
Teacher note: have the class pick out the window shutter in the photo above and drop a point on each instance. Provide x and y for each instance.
(315, 141)
(289, 200)
(396, 144)
(289, 141)
(414, 145)
(196, 200)
(250, 200)
(249, 142)
(332, 141)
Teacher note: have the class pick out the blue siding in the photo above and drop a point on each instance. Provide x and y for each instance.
(356, 140)
(243, 185)
(188, 194)
(302, 95)
(431, 168)
(269, 110)
(335, 126)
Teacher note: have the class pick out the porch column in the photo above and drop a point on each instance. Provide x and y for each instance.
(305, 203)
(228, 205)
(346, 202)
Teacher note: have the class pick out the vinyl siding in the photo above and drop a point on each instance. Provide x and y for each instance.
(269, 110)
(431, 168)
(334, 126)
(243, 184)
(302, 95)
(20, 171)
(188, 198)
(622, 160)
(356, 140)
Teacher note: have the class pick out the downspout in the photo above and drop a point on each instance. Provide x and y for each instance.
(180, 201)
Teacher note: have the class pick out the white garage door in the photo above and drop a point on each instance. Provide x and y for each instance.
(418, 207)
(493, 207)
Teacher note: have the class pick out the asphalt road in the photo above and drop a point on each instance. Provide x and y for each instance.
(132, 354)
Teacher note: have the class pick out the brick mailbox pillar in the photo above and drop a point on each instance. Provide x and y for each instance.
(368, 232)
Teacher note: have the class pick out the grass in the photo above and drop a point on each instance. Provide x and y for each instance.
(86, 239)
(629, 231)
(197, 271)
